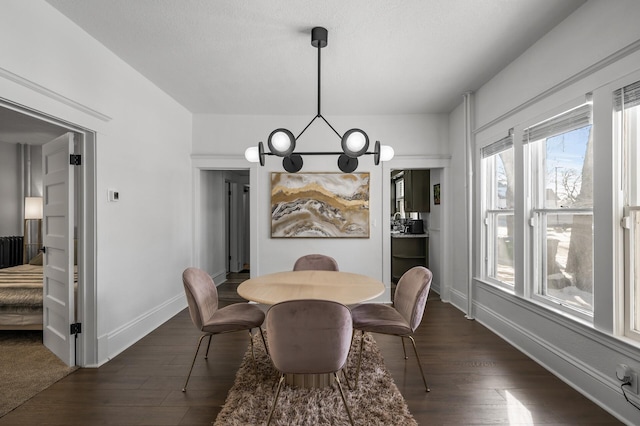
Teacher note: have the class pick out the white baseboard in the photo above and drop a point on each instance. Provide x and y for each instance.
(122, 338)
(219, 277)
(600, 388)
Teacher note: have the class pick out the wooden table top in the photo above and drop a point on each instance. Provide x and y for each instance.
(343, 287)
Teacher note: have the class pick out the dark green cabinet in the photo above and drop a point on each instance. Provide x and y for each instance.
(408, 251)
(416, 191)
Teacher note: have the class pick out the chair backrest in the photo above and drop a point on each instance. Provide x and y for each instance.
(309, 336)
(316, 262)
(201, 293)
(411, 294)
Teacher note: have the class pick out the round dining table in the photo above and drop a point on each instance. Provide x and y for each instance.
(343, 287)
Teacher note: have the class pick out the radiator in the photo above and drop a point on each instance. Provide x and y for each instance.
(11, 251)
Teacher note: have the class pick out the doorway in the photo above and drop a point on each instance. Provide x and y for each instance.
(424, 243)
(31, 129)
(222, 222)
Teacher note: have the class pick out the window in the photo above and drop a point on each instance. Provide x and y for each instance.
(498, 191)
(399, 186)
(561, 210)
(627, 117)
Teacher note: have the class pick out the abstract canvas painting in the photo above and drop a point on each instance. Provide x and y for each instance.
(319, 205)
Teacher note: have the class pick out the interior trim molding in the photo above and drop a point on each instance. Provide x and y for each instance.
(559, 362)
(457, 299)
(614, 57)
(586, 331)
(126, 335)
(31, 85)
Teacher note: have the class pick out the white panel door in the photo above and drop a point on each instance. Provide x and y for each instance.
(58, 288)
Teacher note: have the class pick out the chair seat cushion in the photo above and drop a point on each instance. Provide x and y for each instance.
(378, 318)
(239, 316)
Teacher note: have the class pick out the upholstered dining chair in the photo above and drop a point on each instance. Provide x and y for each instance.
(400, 319)
(309, 337)
(316, 262)
(202, 297)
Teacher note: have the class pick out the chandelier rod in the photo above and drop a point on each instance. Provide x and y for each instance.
(319, 114)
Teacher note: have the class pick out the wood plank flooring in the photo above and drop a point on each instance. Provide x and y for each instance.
(474, 376)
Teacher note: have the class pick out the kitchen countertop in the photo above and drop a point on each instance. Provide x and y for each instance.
(403, 235)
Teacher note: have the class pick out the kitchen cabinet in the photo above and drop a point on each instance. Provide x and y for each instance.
(417, 191)
(407, 251)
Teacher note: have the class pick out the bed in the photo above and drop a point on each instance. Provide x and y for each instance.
(21, 297)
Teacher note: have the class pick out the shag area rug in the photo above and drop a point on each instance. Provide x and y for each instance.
(27, 367)
(377, 401)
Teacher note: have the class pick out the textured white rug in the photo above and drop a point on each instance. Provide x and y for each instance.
(377, 401)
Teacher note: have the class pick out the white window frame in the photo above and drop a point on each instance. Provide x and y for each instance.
(536, 261)
(629, 177)
(490, 215)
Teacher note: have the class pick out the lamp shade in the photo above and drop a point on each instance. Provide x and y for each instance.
(281, 142)
(33, 208)
(355, 143)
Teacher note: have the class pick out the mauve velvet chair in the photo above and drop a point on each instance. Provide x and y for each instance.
(309, 336)
(202, 297)
(316, 262)
(400, 319)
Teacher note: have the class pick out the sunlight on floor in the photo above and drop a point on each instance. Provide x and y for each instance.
(518, 413)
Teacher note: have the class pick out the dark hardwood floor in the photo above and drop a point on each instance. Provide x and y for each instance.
(474, 376)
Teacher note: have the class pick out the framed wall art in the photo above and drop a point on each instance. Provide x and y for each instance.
(319, 205)
(436, 193)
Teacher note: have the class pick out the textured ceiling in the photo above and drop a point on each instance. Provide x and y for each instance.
(255, 57)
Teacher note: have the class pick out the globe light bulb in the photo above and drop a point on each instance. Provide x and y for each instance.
(252, 155)
(356, 141)
(280, 141)
(386, 153)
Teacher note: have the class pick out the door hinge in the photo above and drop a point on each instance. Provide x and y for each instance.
(75, 159)
(76, 328)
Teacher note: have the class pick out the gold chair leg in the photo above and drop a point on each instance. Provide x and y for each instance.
(206, 355)
(419, 363)
(359, 359)
(346, 378)
(253, 355)
(184, 388)
(345, 369)
(335, 374)
(403, 348)
(275, 400)
(264, 342)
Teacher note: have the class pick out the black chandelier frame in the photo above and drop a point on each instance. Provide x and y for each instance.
(347, 159)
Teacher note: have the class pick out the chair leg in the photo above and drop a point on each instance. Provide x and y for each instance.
(403, 348)
(264, 342)
(415, 349)
(206, 355)
(359, 359)
(184, 388)
(345, 369)
(275, 400)
(346, 378)
(253, 355)
(343, 398)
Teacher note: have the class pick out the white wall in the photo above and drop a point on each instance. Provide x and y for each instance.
(417, 135)
(143, 242)
(562, 66)
(10, 190)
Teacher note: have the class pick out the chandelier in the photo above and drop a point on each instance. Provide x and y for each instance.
(354, 142)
